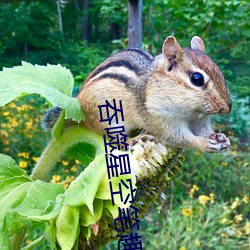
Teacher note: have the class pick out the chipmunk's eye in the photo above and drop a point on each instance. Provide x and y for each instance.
(197, 79)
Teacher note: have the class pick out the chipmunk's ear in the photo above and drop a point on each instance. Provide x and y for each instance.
(197, 43)
(171, 49)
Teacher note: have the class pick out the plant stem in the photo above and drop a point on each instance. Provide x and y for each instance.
(57, 147)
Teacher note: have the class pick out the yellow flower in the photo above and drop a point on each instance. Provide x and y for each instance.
(77, 162)
(238, 218)
(245, 199)
(65, 163)
(197, 242)
(234, 152)
(24, 154)
(238, 159)
(23, 164)
(65, 185)
(6, 113)
(247, 227)
(211, 195)
(14, 123)
(203, 199)
(223, 235)
(35, 159)
(12, 105)
(187, 211)
(183, 248)
(224, 164)
(55, 178)
(23, 107)
(223, 220)
(193, 190)
(238, 233)
(6, 141)
(4, 134)
(70, 178)
(6, 149)
(235, 203)
(73, 168)
(29, 124)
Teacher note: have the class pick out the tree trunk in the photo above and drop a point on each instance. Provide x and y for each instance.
(134, 23)
(85, 20)
(59, 16)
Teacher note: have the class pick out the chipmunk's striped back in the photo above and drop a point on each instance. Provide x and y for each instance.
(124, 66)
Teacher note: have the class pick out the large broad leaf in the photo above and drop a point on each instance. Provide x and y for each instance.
(83, 189)
(86, 218)
(6, 186)
(9, 168)
(40, 193)
(93, 183)
(21, 199)
(53, 82)
(67, 226)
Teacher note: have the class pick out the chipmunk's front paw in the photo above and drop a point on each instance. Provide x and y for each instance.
(217, 142)
(141, 139)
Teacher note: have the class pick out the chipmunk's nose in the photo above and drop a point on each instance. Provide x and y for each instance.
(227, 108)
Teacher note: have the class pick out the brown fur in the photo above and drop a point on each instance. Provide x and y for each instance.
(157, 95)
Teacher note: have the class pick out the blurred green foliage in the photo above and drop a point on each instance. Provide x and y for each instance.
(30, 32)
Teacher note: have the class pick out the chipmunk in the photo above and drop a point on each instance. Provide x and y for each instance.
(170, 96)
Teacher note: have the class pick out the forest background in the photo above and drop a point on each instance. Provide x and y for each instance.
(207, 206)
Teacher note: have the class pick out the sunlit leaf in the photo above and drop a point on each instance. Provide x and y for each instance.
(86, 218)
(83, 189)
(9, 168)
(67, 225)
(53, 82)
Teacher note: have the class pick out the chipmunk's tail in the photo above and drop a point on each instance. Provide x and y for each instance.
(50, 117)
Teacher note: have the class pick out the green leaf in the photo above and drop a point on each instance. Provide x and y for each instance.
(46, 216)
(86, 218)
(93, 183)
(14, 198)
(14, 223)
(112, 209)
(104, 189)
(83, 189)
(39, 194)
(50, 234)
(20, 198)
(67, 226)
(9, 168)
(27, 201)
(53, 82)
(4, 240)
(6, 186)
(86, 231)
(83, 152)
